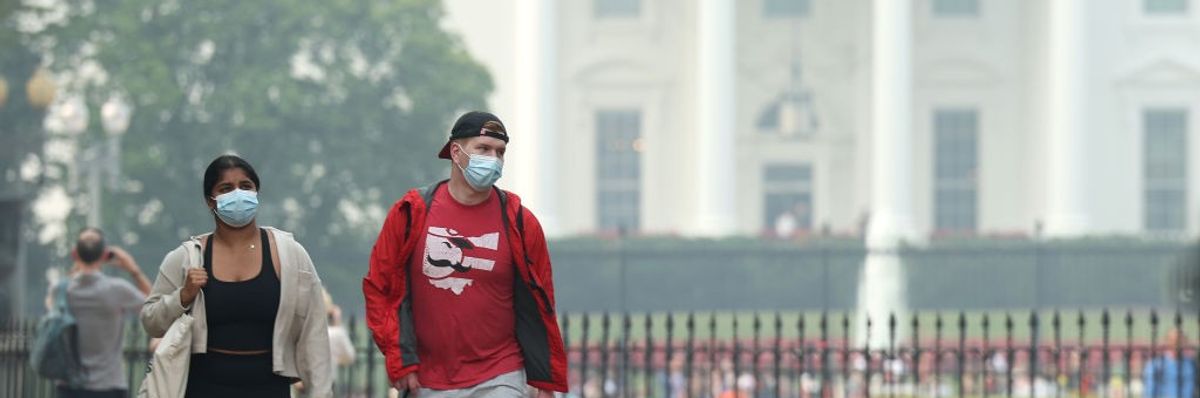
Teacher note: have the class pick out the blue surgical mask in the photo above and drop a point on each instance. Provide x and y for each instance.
(237, 208)
(482, 171)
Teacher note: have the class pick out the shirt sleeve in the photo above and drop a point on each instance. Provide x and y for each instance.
(128, 296)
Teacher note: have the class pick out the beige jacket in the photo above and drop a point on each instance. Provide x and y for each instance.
(301, 341)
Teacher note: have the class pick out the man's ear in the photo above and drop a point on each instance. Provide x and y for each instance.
(75, 254)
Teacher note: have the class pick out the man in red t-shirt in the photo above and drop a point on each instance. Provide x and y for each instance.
(454, 311)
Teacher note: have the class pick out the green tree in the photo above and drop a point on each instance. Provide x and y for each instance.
(20, 121)
(340, 105)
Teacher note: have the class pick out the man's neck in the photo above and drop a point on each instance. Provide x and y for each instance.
(464, 194)
(87, 268)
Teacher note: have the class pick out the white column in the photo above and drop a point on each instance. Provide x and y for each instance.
(882, 287)
(537, 108)
(1066, 213)
(892, 139)
(716, 119)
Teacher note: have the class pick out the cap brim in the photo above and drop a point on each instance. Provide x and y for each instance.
(445, 153)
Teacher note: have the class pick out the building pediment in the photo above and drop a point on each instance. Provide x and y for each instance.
(1160, 71)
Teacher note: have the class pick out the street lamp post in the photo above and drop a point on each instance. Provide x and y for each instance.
(102, 160)
(15, 195)
(115, 115)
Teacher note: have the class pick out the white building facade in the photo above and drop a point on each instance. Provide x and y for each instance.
(715, 117)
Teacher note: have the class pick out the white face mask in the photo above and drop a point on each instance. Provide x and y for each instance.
(482, 171)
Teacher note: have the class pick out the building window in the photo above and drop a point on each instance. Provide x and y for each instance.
(956, 8)
(618, 170)
(1164, 160)
(956, 165)
(786, 8)
(1165, 7)
(617, 8)
(787, 199)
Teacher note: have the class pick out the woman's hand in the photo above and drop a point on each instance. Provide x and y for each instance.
(196, 279)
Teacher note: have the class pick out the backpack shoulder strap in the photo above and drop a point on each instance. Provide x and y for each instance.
(60, 295)
(427, 192)
(520, 221)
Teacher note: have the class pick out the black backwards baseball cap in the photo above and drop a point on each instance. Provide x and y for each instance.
(475, 124)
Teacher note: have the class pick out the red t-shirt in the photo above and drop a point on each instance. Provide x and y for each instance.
(462, 295)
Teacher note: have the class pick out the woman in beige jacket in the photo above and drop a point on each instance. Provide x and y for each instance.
(260, 320)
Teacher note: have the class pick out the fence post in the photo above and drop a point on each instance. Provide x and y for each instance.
(626, 326)
(778, 355)
(1196, 359)
(1105, 355)
(985, 355)
(25, 377)
(937, 355)
(566, 336)
(668, 361)
(370, 354)
(712, 352)
(1033, 352)
(737, 354)
(754, 355)
(1056, 324)
(1128, 351)
(890, 373)
(6, 356)
(1009, 350)
(803, 359)
(1158, 370)
(689, 359)
(825, 375)
(604, 353)
(866, 352)
(962, 352)
(916, 354)
(586, 347)
(128, 351)
(845, 354)
(352, 333)
(648, 357)
(1179, 355)
(1083, 353)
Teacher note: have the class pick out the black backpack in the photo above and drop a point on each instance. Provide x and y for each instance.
(55, 353)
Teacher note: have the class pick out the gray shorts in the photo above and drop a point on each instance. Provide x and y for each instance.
(508, 385)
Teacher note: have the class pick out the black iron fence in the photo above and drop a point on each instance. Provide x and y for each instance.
(763, 355)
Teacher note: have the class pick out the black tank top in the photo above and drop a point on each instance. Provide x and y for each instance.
(241, 315)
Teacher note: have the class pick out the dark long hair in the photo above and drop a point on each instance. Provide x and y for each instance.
(226, 162)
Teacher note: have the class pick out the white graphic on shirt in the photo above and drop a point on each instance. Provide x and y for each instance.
(444, 257)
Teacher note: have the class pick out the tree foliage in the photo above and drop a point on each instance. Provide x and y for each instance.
(340, 105)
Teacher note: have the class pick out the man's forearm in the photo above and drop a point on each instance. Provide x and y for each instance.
(140, 279)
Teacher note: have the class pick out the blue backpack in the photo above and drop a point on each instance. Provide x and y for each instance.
(55, 353)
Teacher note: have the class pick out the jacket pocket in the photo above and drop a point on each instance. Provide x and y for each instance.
(304, 292)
